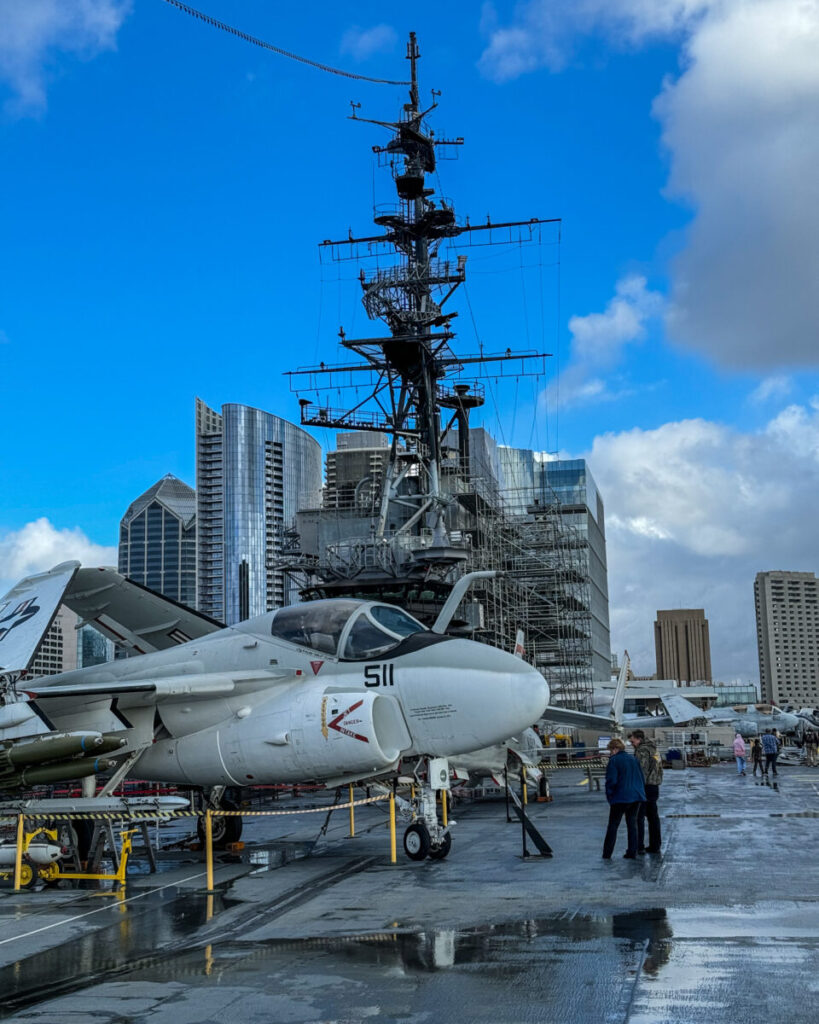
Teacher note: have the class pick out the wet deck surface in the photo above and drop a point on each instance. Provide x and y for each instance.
(723, 926)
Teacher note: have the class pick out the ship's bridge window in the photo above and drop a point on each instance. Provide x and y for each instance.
(317, 624)
(377, 629)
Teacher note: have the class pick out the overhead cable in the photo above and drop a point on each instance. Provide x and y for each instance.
(277, 49)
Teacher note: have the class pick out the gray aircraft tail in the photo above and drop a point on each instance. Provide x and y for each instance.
(27, 611)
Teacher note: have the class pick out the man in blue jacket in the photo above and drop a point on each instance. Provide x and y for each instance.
(625, 791)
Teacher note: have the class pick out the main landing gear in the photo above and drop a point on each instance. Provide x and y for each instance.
(425, 836)
(224, 829)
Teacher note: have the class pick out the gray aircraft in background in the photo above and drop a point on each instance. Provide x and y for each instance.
(747, 719)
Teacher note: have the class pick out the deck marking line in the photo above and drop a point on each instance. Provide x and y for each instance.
(99, 910)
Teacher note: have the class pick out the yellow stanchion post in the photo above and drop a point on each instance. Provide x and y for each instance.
(209, 850)
(523, 797)
(18, 853)
(443, 807)
(124, 854)
(352, 814)
(393, 857)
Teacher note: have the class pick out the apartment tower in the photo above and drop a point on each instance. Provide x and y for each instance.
(787, 629)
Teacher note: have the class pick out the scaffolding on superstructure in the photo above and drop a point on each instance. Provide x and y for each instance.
(543, 586)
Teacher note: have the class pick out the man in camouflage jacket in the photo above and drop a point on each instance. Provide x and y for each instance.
(649, 760)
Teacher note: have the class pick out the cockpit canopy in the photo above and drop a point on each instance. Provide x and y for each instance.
(350, 630)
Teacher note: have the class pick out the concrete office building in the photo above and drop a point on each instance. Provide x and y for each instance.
(58, 648)
(254, 471)
(682, 646)
(157, 540)
(787, 628)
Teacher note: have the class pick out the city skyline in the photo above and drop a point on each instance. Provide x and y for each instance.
(165, 194)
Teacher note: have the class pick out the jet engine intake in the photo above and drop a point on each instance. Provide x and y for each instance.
(309, 732)
(344, 732)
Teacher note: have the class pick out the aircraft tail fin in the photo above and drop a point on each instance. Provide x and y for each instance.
(620, 690)
(519, 650)
(680, 709)
(27, 611)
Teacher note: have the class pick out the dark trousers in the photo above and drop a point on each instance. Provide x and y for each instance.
(616, 812)
(648, 813)
(770, 759)
(758, 764)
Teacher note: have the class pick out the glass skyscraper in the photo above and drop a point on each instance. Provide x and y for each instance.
(157, 540)
(581, 507)
(254, 471)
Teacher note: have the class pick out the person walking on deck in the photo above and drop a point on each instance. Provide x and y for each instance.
(770, 748)
(739, 753)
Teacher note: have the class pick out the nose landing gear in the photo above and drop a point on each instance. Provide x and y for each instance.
(417, 844)
(425, 836)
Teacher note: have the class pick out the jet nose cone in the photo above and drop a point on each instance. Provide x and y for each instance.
(511, 694)
(529, 692)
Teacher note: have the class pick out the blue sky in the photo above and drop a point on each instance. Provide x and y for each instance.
(164, 188)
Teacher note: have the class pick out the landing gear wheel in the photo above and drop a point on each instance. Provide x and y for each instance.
(224, 831)
(442, 849)
(27, 875)
(416, 841)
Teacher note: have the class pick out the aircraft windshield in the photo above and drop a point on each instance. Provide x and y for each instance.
(378, 629)
(318, 625)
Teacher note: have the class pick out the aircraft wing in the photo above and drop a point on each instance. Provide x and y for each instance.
(143, 692)
(132, 615)
(681, 710)
(27, 611)
(578, 719)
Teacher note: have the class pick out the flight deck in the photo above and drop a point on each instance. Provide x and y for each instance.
(722, 926)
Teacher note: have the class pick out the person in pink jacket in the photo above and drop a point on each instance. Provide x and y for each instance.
(739, 753)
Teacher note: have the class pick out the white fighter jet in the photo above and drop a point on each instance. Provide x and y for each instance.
(334, 691)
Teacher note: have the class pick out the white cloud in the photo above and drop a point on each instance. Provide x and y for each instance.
(543, 33)
(694, 509)
(598, 340)
(741, 130)
(363, 43)
(39, 545)
(743, 134)
(33, 31)
(777, 386)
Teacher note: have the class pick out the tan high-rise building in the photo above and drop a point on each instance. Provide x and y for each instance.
(787, 629)
(682, 645)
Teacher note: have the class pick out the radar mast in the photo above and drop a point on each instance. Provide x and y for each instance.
(412, 374)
